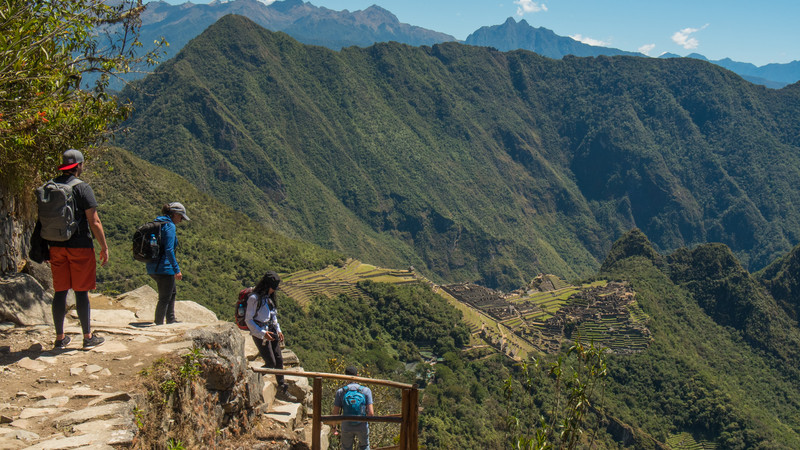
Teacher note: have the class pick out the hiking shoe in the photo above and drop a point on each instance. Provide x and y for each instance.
(62, 343)
(283, 394)
(174, 321)
(92, 342)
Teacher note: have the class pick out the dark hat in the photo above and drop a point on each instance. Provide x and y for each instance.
(177, 208)
(70, 159)
(273, 279)
(352, 371)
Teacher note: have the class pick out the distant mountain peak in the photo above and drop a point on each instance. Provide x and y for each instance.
(286, 5)
(513, 35)
(378, 15)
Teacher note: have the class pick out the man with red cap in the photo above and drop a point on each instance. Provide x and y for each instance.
(73, 261)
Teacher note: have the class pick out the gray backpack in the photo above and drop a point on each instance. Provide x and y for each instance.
(56, 203)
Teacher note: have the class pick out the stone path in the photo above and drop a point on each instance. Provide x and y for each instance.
(71, 398)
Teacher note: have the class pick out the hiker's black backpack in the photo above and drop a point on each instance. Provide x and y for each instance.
(56, 203)
(147, 245)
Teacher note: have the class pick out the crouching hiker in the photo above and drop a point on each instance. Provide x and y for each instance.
(354, 400)
(262, 321)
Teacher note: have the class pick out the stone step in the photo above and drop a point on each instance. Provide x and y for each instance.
(290, 415)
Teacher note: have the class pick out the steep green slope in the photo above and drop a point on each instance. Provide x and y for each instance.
(722, 365)
(220, 250)
(706, 372)
(469, 162)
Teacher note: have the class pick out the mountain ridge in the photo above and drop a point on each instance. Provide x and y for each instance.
(390, 137)
(513, 35)
(339, 29)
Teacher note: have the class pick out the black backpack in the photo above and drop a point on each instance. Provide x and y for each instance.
(147, 242)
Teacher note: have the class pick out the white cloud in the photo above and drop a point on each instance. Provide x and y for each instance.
(684, 39)
(647, 48)
(590, 41)
(529, 6)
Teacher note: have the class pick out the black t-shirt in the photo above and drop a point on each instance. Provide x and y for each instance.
(84, 199)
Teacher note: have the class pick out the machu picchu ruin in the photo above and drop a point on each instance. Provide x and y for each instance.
(549, 311)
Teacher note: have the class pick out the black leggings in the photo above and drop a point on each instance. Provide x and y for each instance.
(166, 298)
(60, 310)
(271, 353)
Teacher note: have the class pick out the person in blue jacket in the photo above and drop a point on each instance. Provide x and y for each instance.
(166, 270)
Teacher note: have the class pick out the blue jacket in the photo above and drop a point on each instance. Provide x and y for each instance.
(167, 265)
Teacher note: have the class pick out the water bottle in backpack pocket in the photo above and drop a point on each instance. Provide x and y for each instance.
(241, 307)
(147, 242)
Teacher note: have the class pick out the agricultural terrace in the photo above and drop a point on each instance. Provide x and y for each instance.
(304, 286)
(687, 441)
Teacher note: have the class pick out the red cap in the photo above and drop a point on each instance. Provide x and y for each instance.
(70, 159)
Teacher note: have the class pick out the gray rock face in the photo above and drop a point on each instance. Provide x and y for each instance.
(223, 359)
(24, 301)
(41, 273)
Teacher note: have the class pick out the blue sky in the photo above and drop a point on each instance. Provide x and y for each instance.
(755, 32)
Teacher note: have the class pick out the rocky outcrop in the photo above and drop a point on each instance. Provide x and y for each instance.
(15, 233)
(103, 398)
(24, 301)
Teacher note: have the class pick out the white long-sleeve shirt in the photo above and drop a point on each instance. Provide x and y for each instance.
(258, 320)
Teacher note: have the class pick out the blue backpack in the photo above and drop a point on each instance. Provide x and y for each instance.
(354, 402)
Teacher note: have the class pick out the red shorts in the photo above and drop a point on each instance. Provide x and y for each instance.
(73, 268)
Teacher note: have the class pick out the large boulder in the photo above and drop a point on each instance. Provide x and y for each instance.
(142, 301)
(24, 301)
(187, 311)
(42, 274)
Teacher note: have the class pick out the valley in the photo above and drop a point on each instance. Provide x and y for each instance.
(521, 324)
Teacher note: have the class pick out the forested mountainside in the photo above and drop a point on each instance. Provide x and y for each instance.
(721, 365)
(220, 251)
(723, 362)
(470, 163)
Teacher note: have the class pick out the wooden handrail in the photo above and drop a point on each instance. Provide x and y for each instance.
(335, 376)
(407, 419)
(395, 418)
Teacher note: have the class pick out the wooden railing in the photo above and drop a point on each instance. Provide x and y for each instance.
(407, 418)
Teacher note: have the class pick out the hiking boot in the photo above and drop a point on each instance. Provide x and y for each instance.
(62, 343)
(92, 342)
(284, 394)
(173, 321)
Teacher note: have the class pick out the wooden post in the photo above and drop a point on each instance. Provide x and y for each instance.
(316, 428)
(404, 406)
(413, 421)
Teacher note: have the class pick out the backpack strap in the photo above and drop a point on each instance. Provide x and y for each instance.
(74, 182)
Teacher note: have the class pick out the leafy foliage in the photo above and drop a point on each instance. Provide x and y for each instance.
(45, 49)
(575, 389)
